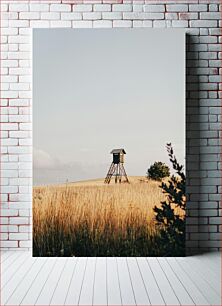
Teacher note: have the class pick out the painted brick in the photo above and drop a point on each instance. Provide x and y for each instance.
(18, 23)
(207, 15)
(9, 212)
(24, 212)
(215, 63)
(37, 7)
(213, 7)
(137, 8)
(102, 24)
(25, 244)
(122, 23)
(8, 244)
(8, 228)
(18, 7)
(112, 15)
(4, 7)
(154, 8)
(9, 63)
(122, 7)
(216, 31)
(18, 236)
(19, 150)
(186, 16)
(39, 24)
(70, 16)
(19, 39)
(171, 16)
(9, 142)
(13, 47)
(19, 71)
(138, 23)
(147, 23)
(22, 181)
(9, 31)
(19, 220)
(60, 8)
(82, 24)
(203, 23)
(3, 220)
(177, 8)
(4, 134)
(197, 7)
(102, 7)
(29, 15)
(180, 23)
(82, 8)
(19, 118)
(24, 229)
(161, 23)
(60, 24)
(215, 236)
(215, 220)
(208, 39)
(9, 126)
(52, 16)
(93, 15)
(9, 173)
(136, 15)
(19, 102)
(18, 55)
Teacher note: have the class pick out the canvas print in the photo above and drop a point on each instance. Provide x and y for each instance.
(109, 142)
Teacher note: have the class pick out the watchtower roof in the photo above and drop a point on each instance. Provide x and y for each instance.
(116, 151)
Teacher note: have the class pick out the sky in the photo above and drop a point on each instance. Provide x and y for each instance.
(99, 89)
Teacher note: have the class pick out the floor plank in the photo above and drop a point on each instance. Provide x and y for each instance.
(213, 279)
(110, 281)
(62, 288)
(20, 291)
(166, 289)
(13, 269)
(86, 294)
(36, 287)
(211, 260)
(47, 291)
(126, 289)
(10, 261)
(181, 293)
(17, 279)
(190, 286)
(152, 287)
(139, 288)
(4, 255)
(113, 286)
(73, 294)
(100, 283)
(208, 292)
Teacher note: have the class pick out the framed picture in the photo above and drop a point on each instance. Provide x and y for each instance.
(109, 142)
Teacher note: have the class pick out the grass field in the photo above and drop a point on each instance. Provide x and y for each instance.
(93, 219)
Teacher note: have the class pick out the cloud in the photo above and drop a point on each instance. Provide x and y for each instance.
(43, 160)
(50, 170)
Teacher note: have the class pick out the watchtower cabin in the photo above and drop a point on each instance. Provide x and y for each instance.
(117, 169)
(118, 155)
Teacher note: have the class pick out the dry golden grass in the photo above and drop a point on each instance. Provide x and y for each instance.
(91, 218)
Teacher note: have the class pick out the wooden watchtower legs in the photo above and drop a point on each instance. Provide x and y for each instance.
(118, 171)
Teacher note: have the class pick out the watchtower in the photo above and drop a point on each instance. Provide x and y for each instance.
(117, 169)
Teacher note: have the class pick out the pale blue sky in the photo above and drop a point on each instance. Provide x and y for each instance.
(99, 89)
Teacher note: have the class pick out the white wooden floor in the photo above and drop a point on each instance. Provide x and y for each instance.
(110, 281)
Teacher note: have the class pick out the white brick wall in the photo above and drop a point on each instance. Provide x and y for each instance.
(199, 17)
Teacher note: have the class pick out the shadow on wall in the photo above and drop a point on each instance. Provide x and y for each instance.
(193, 171)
